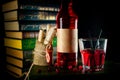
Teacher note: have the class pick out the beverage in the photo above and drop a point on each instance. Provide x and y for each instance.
(49, 54)
(99, 55)
(88, 58)
(93, 53)
(67, 35)
(93, 59)
(66, 59)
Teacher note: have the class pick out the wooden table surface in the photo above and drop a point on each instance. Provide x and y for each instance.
(42, 73)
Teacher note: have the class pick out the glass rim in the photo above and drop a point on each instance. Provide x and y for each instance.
(85, 39)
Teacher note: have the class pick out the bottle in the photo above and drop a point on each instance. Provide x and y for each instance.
(51, 31)
(67, 35)
(49, 54)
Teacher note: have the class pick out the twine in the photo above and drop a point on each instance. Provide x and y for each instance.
(39, 54)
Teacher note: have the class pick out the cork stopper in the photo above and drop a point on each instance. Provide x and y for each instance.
(49, 36)
(41, 36)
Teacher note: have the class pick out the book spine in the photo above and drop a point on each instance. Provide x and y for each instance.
(17, 26)
(29, 7)
(28, 44)
(21, 34)
(21, 60)
(14, 61)
(30, 34)
(15, 71)
(36, 7)
(29, 15)
(11, 25)
(19, 54)
(28, 55)
(10, 6)
(9, 16)
(23, 44)
(37, 16)
(30, 27)
(35, 27)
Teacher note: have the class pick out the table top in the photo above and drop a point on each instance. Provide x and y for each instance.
(42, 72)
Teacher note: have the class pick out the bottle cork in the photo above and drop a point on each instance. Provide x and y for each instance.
(41, 36)
(49, 36)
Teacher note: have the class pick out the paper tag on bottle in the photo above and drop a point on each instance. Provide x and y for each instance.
(67, 40)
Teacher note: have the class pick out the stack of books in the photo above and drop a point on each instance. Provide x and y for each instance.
(22, 22)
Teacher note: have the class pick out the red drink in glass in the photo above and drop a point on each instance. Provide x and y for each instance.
(88, 59)
(93, 53)
(99, 56)
(93, 59)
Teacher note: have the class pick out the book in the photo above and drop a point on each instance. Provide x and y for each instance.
(22, 21)
(27, 26)
(18, 66)
(19, 4)
(10, 6)
(21, 35)
(14, 71)
(20, 54)
(14, 61)
(18, 63)
(29, 15)
(23, 44)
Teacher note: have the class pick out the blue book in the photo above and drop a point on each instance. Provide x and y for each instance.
(29, 15)
(27, 26)
(28, 5)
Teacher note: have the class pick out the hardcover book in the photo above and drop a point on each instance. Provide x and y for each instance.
(20, 54)
(16, 71)
(19, 4)
(23, 44)
(24, 64)
(18, 61)
(29, 15)
(21, 35)
(27, 26)
(17, 66)
(22, 21)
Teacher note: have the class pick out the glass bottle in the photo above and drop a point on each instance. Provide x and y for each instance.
(51, 31)
(49, 54)
(67, 35)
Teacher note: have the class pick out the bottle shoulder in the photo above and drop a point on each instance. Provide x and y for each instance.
(67, 13)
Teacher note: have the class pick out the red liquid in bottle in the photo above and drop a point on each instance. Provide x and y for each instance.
(66, 59)
(67, 35)
(49, 54)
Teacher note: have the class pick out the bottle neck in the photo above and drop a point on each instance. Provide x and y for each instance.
(65, 4)
(66, 17)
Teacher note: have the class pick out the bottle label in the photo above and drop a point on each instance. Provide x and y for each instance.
(67, 40)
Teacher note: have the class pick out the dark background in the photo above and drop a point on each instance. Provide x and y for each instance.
(93, 16)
